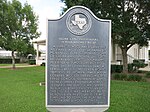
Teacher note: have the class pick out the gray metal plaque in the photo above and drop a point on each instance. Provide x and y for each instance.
(78, 62)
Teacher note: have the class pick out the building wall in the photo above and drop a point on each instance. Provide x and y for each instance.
(139, 52)
(148, 49)
(135, 52)
(4, 53)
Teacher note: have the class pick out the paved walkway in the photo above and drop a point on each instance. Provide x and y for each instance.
(18, 66)
(147, 68)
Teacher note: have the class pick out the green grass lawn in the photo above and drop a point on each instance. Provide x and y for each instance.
(130, 96)
(20, 92)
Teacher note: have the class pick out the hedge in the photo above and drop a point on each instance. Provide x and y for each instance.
(134, 78)
(127, 77)
(148, 75)
(120, 76)
(43, 64)
(8, 60)
(116, 68)
(119, 68)
(139, 63)
(32, 61)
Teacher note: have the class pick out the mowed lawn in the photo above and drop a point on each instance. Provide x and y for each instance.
(20, 92)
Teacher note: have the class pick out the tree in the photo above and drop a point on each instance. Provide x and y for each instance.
(30, 50)
(130, 21)
(18, 27)
(24, 53)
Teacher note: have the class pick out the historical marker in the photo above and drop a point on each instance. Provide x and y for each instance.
(78, 62)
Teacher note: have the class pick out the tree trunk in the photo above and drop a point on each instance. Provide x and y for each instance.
(125, 60)
(13, 60)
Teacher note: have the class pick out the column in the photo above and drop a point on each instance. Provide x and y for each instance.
(37, 54)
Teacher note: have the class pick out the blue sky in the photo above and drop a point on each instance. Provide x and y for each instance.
(50, 9)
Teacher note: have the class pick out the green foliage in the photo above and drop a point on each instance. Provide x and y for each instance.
(19, 25)
(140, 71)
(134, 78)
(138, 64)
(32, 61)
(8, 60)
(130, 68)
(116, 68)
(148, 75)
(130, 20)
(120, 76)
(113, 68)
(116, 76)
(43, 64)
(119, 68)
(30, 50)
(127, 77)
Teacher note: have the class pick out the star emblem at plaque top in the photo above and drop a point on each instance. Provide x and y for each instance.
(78, 23)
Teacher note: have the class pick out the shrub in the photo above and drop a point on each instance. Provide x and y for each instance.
(134, 78)
(138, 78)
(130, 68)
(119, 68)
(139, 71)
(113, 68)
(142, 60)
(43, 64)
(123, 76)
(139, 63)
(32, 62)
(148, 74)
(116, 68)
(8, 60)
(131, 78)
(116, 76)
(120, 76)
(127, 77)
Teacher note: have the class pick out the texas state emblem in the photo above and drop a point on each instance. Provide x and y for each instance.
(78, 22)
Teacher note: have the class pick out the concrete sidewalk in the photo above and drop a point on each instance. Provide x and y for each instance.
(18, 66)
(147, 68)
